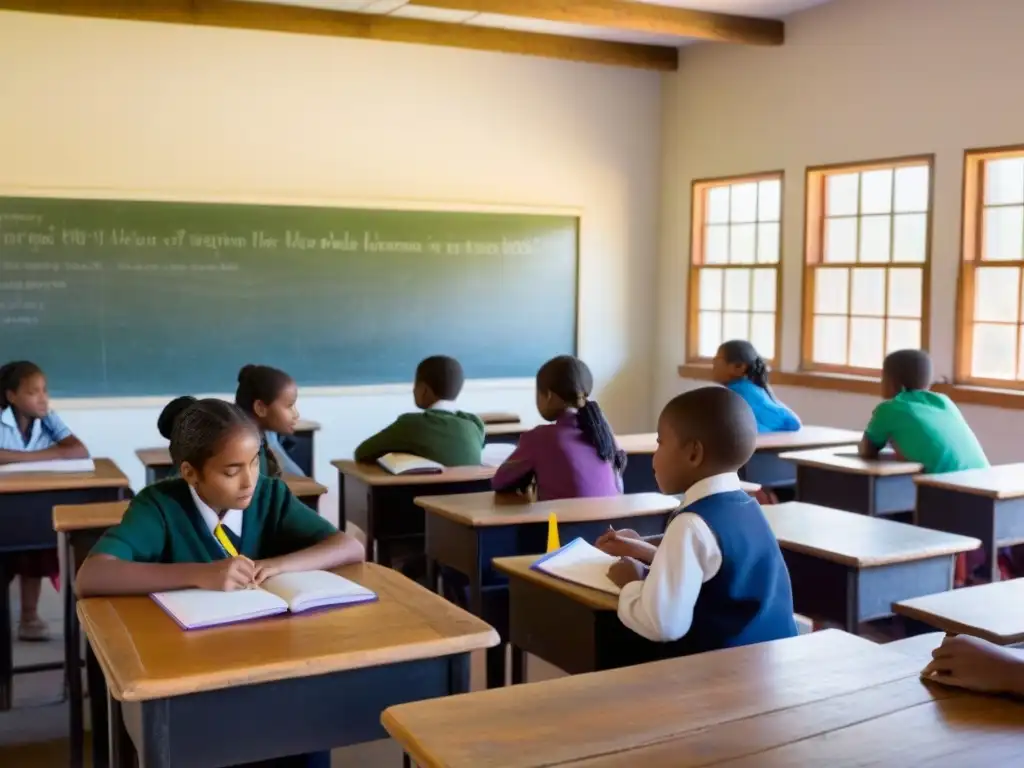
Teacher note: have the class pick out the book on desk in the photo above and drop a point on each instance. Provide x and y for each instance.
(580, 562)
(52, 465)
(289, 592)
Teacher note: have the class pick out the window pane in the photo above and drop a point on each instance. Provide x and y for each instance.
(769, 201)
(736, 325)
(737, 289)
(709, 327)
(994, 351)
(831, 291)
(911, 189)
(1004, 234)
(874, 238)
(767, 243)
(716, 244)
(876, 191)
(744, 202)
(903, 334)
(905, 292)
(718, 205)
(764, 290)
(762, 333)
(997, 294)
(741, 247)
(868, 293)
(841, 194)
(866, 342)
(840, 240)
(1004, 181)
(910, 238)
(710, 289)
(830, 340)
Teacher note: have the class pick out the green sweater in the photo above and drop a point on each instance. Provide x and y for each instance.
(162, 525)
(453, 439)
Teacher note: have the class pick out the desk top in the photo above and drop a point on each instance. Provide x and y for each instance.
(106, 475)
(992, 612)
(846, 460)
(1003, 482)
(826, 698)
(498, 417)
(505, 428)
(145, 655)
(303, 487)
(519, 567)
(807, 437)
(374, 474)
(305, 425)
(489, 508)
(155, 457)
(857, 540)
(82, 517)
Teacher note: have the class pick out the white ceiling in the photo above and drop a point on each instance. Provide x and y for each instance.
(400, 8)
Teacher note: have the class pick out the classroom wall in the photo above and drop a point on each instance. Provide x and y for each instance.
(130, 107)
(855, 80)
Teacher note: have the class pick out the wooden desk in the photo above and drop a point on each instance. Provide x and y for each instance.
(278, 686)
(382, 505)
(821, 699)
(839, 478)
(499, 417)
(918, 647)
(465, 532)
(985, 503)
(993, 612)
(27, 501)
(504, 432)
(849, 568)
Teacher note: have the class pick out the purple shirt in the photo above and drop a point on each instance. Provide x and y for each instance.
(565, 465)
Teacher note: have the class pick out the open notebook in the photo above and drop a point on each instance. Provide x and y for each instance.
(295, 592)
(580, 563)
(53, 465)
(407, 464)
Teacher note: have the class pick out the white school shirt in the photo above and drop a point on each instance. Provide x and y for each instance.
(232, 519)
(660, 607)
(448, 406)
(44, 433)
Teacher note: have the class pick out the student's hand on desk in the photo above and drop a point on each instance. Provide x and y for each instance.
(626, 570)
(627, 547)
(978, 665)
(226, 575)
(611, 533)
(265, 569)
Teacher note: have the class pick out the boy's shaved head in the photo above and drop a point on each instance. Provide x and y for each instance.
(908, 369)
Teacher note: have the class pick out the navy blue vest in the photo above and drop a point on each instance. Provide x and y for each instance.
(750, 599)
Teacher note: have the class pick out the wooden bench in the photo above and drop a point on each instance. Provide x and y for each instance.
(993, 612)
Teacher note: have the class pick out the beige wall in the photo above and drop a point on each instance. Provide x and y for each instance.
(856, 80)
(132, 109)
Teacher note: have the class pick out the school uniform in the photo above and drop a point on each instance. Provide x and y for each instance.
(770, 414)
(441, 433)
(563, 462)
(718, 579)
(273, 443)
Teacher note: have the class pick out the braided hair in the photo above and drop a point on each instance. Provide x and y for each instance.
(570, 380)
(261, 383)
(11, 376)
(200, 429)
(170, 414)
(739, 352)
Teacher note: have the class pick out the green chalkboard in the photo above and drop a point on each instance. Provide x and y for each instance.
(118, 298)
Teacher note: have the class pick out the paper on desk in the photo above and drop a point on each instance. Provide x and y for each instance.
(580, 563)
(54, 465)
(494, 454)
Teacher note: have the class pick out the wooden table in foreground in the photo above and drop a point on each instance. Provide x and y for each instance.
(465, 532)
(279, 686)
(993, 612)
(826, 698)
(985, 503)
(27, 500)
(839, 478)
(849, 568)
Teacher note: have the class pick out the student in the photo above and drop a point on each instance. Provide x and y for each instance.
(978, 665)
(576, 455)
(717, 578)
(738, 366)
(441, 432)
(30, 431)
(268, 395)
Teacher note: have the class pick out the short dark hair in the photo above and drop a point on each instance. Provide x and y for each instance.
(442, 374)
(11, 376)
(259, 382)
(908, 369)
(169, 415)
(201, 428)
(720, 419)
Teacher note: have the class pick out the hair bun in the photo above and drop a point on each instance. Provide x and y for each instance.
(170, 414)
(246, 372)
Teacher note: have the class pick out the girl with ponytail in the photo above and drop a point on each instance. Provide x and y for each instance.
(573, 457)
(738, 366)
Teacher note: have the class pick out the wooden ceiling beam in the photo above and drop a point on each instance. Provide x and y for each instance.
(634, 16)
(314, 21)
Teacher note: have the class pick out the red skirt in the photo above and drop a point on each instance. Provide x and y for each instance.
(43, 563)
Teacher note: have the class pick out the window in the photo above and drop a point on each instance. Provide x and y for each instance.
(989, 332)
(866, 278)
(734, 267)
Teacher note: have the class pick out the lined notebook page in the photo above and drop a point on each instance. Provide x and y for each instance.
(580, 563)
(304, 590)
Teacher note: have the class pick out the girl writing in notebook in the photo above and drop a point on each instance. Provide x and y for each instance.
(268, 395)
(30, 431)
(738, 366)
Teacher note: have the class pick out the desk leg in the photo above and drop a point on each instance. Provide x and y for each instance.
(97, 710)
(342, 515)
(432, 582)
(458, 674)
(406, 762)
(72, 658)
(6, 649)
(518, 664)
(122, 753)
(495, 655)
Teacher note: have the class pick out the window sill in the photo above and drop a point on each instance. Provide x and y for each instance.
(839, 382)
(698, 371)
(973, 395)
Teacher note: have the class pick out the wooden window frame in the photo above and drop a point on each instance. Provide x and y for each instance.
(973, 232)
(814, 239)
(698, 197)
